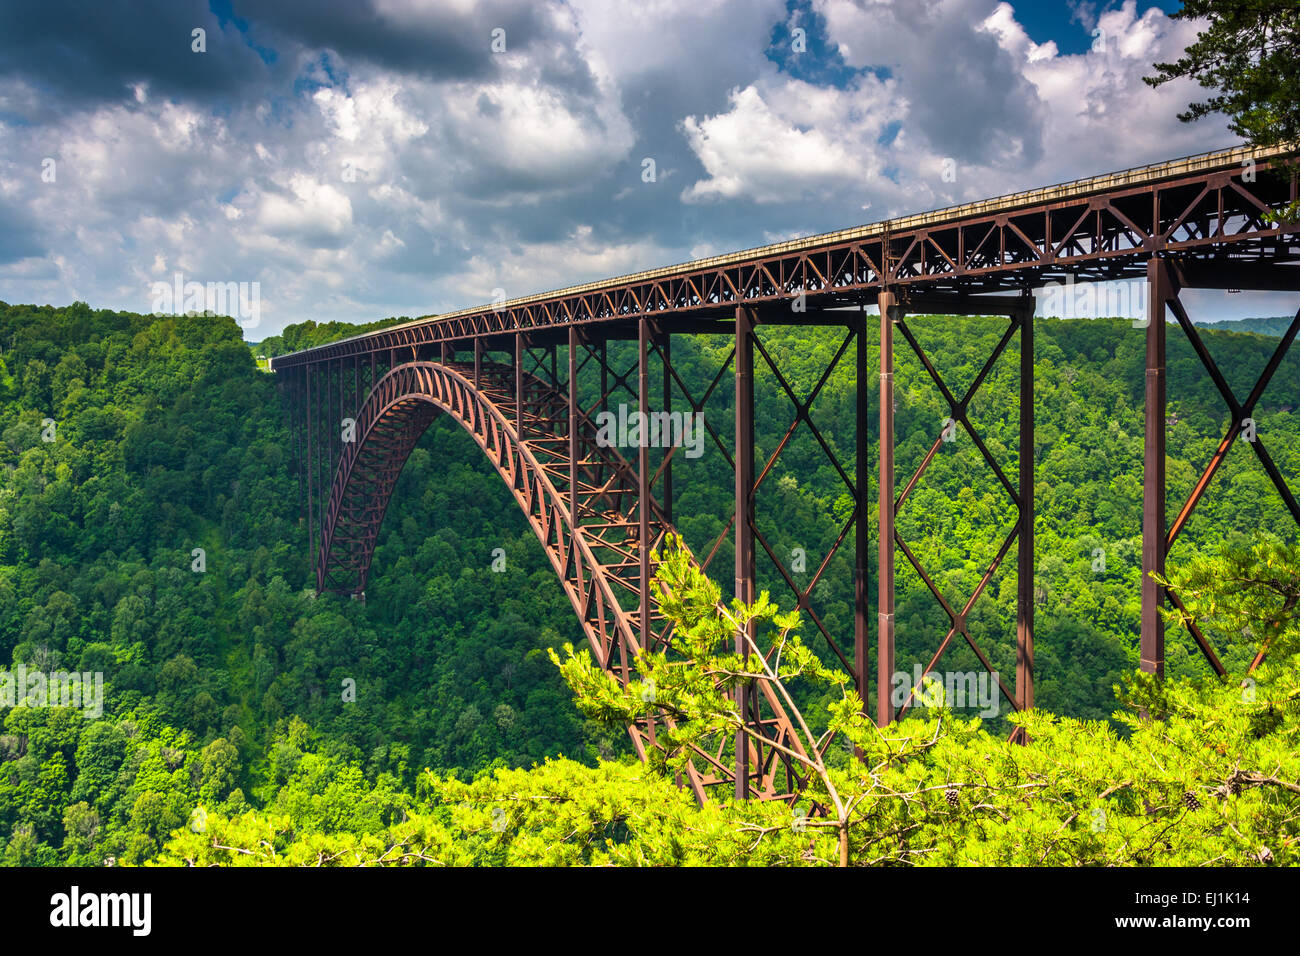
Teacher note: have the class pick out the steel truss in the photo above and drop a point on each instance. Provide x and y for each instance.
(1102, 229)
(747, 483)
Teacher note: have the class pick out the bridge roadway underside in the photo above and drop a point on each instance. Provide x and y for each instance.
(529, 379)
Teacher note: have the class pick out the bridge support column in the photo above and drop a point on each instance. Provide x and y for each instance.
(292, 381)
(311, 463)
(862, 517)
(573, 433)
(1159, 291)
(885, 504)
(1025, 563)
(643, 482)
(744, 482)
(604, 376)
(664, 342)
(519, 385)
(643, 479)
(338, 387)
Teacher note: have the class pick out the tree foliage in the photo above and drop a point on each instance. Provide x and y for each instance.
(1208, 776)
(1249, 55)
(223, 689)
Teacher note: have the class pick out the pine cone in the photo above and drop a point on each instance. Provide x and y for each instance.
(1190, 801)
(953, 800)
(1234, 786)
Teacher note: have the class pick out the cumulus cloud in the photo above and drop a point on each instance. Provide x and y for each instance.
(792, 140)
(968, 95)
(1097, 111)
(966, 91)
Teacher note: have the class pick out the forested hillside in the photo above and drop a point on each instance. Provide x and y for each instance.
(1276, 325)
(127, 442)
(167, 439)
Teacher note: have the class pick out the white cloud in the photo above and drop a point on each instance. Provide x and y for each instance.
(308, 208)
(524, 268)
(792, 140)
(1026, 114)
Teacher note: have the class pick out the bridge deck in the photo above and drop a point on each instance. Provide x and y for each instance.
(1041, 224)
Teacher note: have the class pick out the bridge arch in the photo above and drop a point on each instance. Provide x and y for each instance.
(396, 413)
(593, 553)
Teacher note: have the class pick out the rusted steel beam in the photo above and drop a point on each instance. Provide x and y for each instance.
(1159, 290)
(885, 516)
(297, 393)
(932, 303)
(519, 384)
(572, 428)
(311, 478)
(643, 481)
(664, 343)
(861, 514)
(1025, 519)
(744, 485)
(779, 313)
(1230, 274)
(339, 394)
(604, 376)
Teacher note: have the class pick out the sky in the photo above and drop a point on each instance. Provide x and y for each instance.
(372, 158)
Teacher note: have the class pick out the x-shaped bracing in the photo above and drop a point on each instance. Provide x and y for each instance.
(1240, 413)
(958, 410)
(803, 417)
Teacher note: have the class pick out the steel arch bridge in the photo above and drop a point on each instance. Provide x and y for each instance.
(359, 406)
